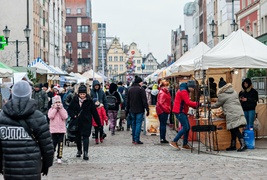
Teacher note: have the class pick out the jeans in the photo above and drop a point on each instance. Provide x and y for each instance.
(185, 128)
(129, 121)
(162, 126)
(112, 116)
(137, 120)
(250, 117)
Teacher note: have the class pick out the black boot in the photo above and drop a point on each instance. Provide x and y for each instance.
(232, 146)
(243, 146)
(79, 153)
(85, 148)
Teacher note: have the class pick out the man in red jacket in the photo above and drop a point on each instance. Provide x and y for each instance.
(181, 106)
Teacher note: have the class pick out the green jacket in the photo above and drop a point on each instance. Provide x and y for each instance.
(42, 100)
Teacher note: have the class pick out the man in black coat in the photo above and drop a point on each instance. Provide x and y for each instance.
(22, 156)
(136, 105)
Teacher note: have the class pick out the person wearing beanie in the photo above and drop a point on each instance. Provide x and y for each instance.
(28, 158)
(57, 115)
(212, 88)
(248, 97)
(135, 107)
(41, 97)
(103, 118)
(222, 82)
(81, 111)
(235, 118)
(113, 101)
(181, 106)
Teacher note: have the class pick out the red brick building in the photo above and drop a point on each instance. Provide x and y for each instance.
(78, 34)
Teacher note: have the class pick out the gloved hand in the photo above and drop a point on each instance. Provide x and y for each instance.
(44, 171)
(147, 112)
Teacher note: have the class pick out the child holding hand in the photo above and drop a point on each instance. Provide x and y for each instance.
(103, 118)
(57, 115)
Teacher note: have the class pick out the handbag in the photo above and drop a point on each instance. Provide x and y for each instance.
(73, 124)
(257, 124)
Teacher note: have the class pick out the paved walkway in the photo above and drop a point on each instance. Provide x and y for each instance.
(118, 158)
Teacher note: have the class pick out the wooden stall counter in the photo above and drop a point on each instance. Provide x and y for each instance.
(223, 135)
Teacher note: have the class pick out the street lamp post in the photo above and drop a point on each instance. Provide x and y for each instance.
(212, 29)
(27, 33)
(185, 48)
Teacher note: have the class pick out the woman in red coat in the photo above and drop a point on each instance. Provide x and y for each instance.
(163, 108)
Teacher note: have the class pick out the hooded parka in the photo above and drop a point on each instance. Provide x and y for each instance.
(22, 158)
(228, 99)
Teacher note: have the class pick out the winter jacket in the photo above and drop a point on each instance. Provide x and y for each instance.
(148, 95)
(87, 111)
(57, 119)
(163, 102)
(99, 94)
(228, 99)
(102, 115)
(251, 94)
(22, 157)
(136, 99)
(118, 97)
(182, 100)
(42, 100)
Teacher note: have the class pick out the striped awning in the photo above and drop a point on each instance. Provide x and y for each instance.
(39, 63)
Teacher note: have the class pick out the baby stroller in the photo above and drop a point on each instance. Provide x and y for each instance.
(70, 133)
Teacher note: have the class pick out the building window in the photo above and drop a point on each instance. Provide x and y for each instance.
(68, 10)
(110, 58)
(109, 66)
(121, 58)
(116, 58)
(68, 29)
(83, 29)
(116, 68)
(83, 45)
(79, 11)
(138, 61)
(68, 45)
(138, 68)
(121, 67)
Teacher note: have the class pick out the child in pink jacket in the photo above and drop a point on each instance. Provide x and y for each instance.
(57, 115)
(103, 118)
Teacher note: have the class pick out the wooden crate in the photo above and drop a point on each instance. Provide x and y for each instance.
(223, 136)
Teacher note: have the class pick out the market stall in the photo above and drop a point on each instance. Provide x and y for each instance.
(238, 51)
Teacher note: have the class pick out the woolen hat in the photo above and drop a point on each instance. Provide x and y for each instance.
(82, 89)
(222, 83)
(38, 85)
(21, 89)
(191, 84)
(56, 98)
(138, 80)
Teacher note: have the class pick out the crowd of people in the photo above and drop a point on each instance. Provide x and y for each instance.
(39, 114)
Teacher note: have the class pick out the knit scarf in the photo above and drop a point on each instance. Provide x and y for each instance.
(81, 101)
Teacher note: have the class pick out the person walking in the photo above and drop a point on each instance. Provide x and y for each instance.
(41, 97)
(136, 106)
(248, 98)
(113, 101)
(181, 106)
(103, 118)
(163, 108)
(99, 94)
(82, 109)
(26, 145)
(235, 118)
(58, 116)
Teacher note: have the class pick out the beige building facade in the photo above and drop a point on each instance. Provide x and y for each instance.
(116, 61)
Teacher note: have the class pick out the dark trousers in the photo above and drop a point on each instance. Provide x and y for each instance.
(98, 130)
(79, 142)
(236, 133)
(58, 141)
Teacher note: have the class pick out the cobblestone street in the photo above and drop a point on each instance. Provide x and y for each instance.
(118, 158)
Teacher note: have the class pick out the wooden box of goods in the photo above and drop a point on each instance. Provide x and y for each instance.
(223, 135)
(152, 122)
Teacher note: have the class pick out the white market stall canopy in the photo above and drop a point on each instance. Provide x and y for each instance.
(185, 64)
(238, 50)
(39, 63)
(90, 74)
(80, 78)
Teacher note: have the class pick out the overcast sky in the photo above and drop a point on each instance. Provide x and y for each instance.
(148, 23)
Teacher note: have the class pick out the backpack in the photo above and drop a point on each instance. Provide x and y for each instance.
(111, 100)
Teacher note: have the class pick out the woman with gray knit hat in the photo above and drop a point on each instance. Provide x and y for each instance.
(28, 126)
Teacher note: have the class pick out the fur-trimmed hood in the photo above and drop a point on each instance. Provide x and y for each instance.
(228, 88)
